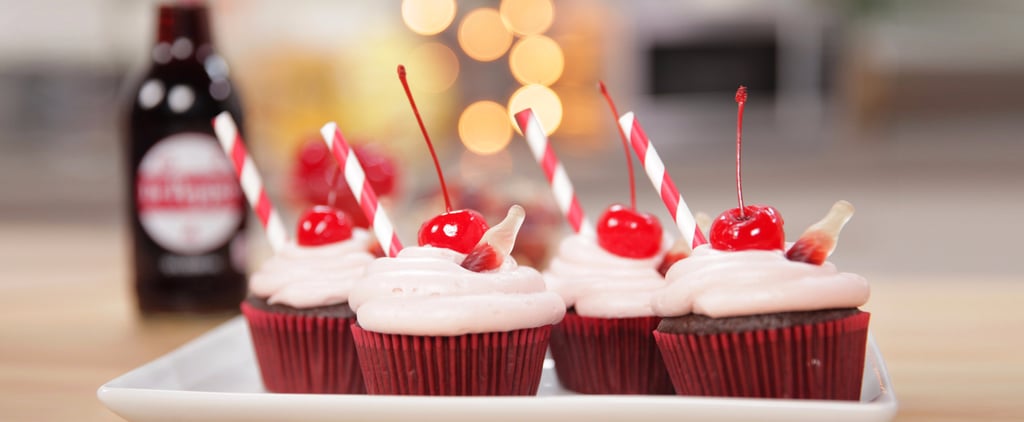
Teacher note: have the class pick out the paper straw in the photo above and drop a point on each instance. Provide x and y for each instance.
(230, 140)
(565, 195)
(662, 182)
(355, 177)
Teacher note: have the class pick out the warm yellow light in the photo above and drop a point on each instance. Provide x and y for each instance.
(436, 66)
(484, 127)
(588, 125)
(527, 17)
(428, 17)
(536, 60)
(545, 104)
(483, 36)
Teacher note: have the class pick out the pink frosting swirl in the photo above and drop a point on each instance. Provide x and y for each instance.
(425, 291)
(723, 284)
(600, 284)
(311, 276)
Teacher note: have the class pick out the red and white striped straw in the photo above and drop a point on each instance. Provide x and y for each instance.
(661, 181)
(361, 189)
(565, 195)
(230, 140)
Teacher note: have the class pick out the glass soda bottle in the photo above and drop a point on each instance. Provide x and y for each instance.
(187, 212)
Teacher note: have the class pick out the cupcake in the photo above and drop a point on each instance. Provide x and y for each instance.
(605, 275)
(439, 321)
(298, 311)
(746, 317)
(604, 345)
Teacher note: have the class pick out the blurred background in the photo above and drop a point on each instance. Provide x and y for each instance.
(909, 109)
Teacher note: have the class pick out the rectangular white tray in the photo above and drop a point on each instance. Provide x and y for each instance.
(215, 378)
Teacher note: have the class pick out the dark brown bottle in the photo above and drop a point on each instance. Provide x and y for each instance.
(187, 212)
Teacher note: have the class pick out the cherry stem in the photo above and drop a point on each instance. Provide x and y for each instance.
(430, 145)
(741, 100)
(625, 143)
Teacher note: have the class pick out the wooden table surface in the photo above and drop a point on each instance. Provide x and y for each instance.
(952, 344)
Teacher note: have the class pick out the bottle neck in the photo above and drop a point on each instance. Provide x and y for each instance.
(188, 20)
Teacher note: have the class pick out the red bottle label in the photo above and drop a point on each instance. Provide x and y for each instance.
(189, 201)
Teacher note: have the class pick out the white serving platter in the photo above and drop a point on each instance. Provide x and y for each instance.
(215, 378)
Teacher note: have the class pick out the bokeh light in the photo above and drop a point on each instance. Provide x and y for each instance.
(536, 60)
(484, 127)
(428, 17)
(483, 36)
(527, 17)
(545, 104)
(437, 67)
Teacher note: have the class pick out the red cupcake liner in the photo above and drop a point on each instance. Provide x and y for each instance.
(304, 354)
(812, 361)
(609, 356)
(486, 364)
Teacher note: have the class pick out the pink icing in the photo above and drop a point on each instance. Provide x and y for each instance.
(311, 276)
(600, 284)
(722, 284)
(424, 291)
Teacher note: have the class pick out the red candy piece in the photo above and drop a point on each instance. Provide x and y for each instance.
(819, 240)
(629, 233)
(813, 248)
(496, 243)
(458, 230)
(670, 258)
(482, 258)
(757, 227)
(323, 225)
(679, 251)
(374, 249)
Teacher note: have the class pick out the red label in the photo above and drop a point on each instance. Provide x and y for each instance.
(187, 195)
(168, 191)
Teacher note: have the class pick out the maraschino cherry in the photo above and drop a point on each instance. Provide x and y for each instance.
(750, 226)
(625, 231)
(459, 230)
(322, 225)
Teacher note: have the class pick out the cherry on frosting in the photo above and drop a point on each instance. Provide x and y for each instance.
(459, 230)
(757, 227)
(751, 226)
(625, 231)
(322, 225)
(628, 233)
